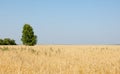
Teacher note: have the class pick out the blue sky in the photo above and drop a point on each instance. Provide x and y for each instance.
(62, 21)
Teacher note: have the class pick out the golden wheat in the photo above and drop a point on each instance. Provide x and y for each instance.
(60, 59)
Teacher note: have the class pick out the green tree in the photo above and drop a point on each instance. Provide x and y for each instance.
(28, 37)
(1, 42)
(8, 41)
(12, 42)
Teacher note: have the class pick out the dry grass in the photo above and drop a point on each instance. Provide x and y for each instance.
(59, 59)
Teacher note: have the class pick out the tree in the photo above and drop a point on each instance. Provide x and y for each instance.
(1, 42)
(28, 37)
(12, 42)
(8, 41)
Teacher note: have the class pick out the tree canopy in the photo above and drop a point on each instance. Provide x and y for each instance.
(28, 37)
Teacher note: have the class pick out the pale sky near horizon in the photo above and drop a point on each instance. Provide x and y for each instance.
(62, 21)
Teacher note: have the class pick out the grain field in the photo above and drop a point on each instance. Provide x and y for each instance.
(60, 59)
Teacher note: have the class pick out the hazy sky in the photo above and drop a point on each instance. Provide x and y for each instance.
(62, 21)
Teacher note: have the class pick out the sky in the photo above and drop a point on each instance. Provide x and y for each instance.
(62, 21)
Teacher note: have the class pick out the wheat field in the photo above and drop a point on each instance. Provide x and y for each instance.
(60, 59)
